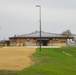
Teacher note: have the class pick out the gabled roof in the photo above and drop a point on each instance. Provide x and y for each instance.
(43, 34)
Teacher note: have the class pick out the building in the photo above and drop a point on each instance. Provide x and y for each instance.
(4, 43)
(33, 39)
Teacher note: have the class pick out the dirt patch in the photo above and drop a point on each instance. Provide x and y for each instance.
(16, 58)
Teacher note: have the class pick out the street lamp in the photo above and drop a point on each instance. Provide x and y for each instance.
(40, 23)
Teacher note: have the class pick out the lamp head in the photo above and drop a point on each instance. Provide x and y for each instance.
(38, 6)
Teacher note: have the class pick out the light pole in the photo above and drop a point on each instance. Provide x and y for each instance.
(40, 22)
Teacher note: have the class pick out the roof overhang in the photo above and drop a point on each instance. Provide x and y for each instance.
(39, 37)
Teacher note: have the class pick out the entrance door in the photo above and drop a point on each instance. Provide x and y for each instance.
(44, 43)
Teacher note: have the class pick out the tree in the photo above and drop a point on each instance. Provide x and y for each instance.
(67, 33)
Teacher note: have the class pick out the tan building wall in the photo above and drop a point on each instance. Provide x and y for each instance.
(57, 41)
(27, 41)
(22, 41)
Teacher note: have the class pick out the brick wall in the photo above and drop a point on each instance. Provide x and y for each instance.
(27, 41)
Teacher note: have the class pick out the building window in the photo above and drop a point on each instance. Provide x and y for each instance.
(28, 39)
(54, 39)
(13, 40)
(62, 41)
(57, 39)
(34, 38)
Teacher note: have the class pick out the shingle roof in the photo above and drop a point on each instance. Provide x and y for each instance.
(43, 34)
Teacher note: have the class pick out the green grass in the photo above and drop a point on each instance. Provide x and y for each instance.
(1, 46)
(50, 62)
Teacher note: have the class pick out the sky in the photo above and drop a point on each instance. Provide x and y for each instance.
(22, 16)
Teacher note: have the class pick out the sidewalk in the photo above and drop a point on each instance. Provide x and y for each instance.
(42, 47)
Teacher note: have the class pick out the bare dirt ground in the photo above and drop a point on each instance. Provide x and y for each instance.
(16, 58)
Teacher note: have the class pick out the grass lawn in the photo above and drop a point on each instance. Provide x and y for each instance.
(1, 46)
(54, 61)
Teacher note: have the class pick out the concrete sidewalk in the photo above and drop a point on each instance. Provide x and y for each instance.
(42, 47)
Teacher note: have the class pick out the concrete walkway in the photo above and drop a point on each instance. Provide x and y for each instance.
(42, 47)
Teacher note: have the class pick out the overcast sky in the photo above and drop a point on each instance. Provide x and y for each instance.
(22, 16)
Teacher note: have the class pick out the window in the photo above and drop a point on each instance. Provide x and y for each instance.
(57, 39)
(62, 41)
(28, 39)
(54, 39)
(34, 38)
(13, 40)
